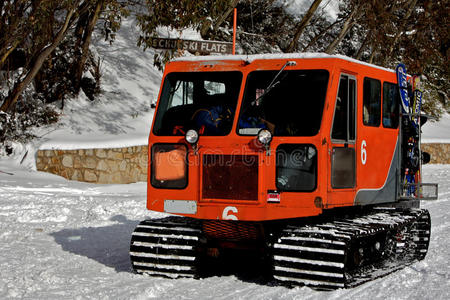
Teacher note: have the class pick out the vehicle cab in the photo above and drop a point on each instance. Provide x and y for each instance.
(268, 137)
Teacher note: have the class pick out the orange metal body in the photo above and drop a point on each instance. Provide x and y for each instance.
(374, 148)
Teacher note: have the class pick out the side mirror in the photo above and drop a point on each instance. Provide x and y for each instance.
(426, 157)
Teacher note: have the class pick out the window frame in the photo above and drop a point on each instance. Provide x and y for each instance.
(244, 98)
(396, 102)
(369, 124)
(157, 119)
(316, 166)
(355, 107)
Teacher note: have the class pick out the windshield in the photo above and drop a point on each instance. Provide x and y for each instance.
(204, 101)
(292, 106)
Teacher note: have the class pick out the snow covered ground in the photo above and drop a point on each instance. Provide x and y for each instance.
(61, 239)
(437, 132)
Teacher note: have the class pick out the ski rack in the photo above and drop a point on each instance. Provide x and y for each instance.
(419, 187)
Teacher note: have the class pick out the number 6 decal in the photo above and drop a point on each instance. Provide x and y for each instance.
(363, 152)
(226, 213)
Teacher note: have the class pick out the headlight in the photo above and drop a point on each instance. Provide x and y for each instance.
(264, 136)
(191, 136)
(169, 169)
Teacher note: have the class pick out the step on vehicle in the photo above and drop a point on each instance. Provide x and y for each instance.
(298, 159)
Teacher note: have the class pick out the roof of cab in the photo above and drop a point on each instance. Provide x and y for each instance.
(251, 58)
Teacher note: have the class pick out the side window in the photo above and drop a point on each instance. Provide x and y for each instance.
(214, 88)
(371, 102)
(390, 105)
(181, 93)
(344, 113)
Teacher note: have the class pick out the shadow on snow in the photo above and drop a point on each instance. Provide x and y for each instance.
(109, 245)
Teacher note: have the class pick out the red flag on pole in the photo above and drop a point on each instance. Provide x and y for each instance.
(234, 30)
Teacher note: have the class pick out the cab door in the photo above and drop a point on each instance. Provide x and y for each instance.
(342, 149)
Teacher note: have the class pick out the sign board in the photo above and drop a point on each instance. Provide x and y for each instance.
(202, 47)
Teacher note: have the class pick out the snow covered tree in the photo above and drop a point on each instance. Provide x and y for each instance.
(204, 16)
(417, 33)
(44, 51)
(300, 28)
(263, 27)
(46, 33)
(383, 32)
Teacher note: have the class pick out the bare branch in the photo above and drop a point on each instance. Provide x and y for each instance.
(302, 25)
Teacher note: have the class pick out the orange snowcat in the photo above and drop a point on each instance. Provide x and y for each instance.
(297, 159)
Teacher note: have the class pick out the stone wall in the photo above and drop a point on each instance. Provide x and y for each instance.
(440, 153)
(116, 165)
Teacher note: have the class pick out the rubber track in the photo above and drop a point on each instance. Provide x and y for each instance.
(165, 247)
(319, 255)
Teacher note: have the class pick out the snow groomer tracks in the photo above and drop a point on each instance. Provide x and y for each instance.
(348, 252)
(165, 247)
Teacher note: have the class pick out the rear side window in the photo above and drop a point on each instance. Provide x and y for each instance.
(390, 105)
(372, 102)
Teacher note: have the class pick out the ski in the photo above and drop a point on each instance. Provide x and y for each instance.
(409, 129)
(417, 104)
(415, 118)
(7, 173)
(411, 99)
(402, 80)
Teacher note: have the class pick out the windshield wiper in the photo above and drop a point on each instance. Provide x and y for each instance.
(273, 83)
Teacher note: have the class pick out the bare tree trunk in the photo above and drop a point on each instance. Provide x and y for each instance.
(411, 6)
(20, 86)
(372, 55)
(86, 41)
(10, 23)
(302, 25)
(223, 17)
(348, 24)
(206, 27)
(7, 53)
(81, 24)
(363, 45)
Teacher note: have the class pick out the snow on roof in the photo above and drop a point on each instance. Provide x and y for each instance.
(253, 57)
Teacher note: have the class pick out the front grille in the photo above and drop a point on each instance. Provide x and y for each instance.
(233, 177)
(232, 230)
